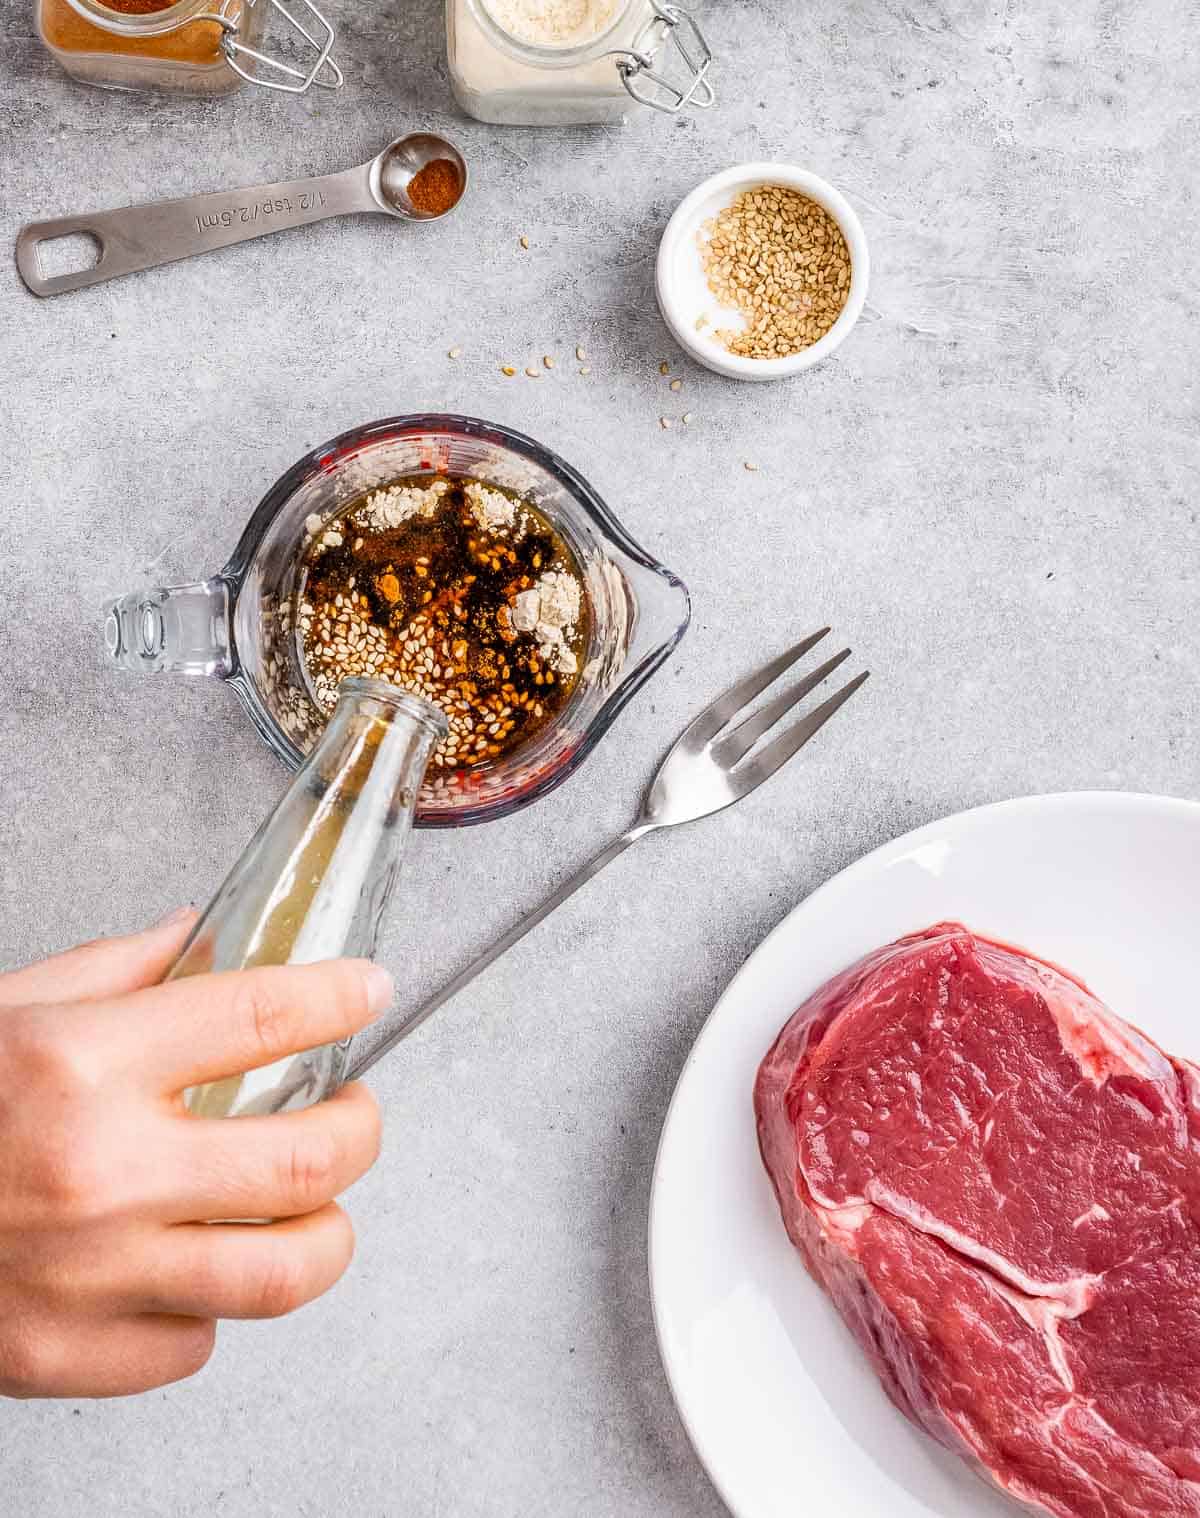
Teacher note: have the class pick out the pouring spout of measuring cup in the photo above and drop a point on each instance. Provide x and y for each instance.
(174, 629)
(143, 237)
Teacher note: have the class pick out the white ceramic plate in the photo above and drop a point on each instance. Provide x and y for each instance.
(782, 1407)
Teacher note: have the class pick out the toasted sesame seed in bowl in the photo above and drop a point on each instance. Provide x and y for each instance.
(762, 271)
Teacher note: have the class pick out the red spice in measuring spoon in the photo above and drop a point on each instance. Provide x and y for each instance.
(435, 188)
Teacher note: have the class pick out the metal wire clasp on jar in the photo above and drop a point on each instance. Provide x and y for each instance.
(187, 47)
(673, 27)
(510, 63)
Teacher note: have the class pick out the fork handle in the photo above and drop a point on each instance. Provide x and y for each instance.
(407, 1025)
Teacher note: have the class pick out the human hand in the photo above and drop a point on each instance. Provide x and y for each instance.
(111, 1274)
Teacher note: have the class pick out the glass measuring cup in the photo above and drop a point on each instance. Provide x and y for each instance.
(238, 626)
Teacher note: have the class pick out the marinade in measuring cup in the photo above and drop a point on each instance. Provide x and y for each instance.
(456, 590)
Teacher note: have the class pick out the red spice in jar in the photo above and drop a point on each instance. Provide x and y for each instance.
(436, 187)
(65, 31)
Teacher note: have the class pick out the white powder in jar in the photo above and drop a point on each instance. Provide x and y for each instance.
(493, 84)
(554, 23)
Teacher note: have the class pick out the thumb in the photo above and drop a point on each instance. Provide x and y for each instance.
(103, 968)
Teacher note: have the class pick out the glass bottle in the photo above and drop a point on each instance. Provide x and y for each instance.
(315, 879)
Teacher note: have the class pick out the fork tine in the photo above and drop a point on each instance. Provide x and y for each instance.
(781, 749)
(736, 744)
(713, 718)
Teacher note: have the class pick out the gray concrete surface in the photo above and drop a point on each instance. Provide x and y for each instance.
(991, 491)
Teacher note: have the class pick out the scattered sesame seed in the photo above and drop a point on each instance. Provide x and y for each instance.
(533, 373)
(664, 367)
(580, 354)
(676, 384)
(753, 468)
(454, 353)
(586, 369)
(524, 242)
(507, 369)
(664, 422)
(548, 361)
(686, 418)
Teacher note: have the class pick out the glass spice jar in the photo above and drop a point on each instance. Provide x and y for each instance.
(184, 47)
(648, 51)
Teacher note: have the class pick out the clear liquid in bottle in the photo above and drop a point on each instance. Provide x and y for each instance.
(315, 879)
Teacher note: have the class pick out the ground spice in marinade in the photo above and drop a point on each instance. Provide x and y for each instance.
(456, 590)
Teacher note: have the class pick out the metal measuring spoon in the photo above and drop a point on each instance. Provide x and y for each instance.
(142, 237)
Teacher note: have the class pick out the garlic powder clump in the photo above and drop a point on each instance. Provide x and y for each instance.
(525, 611)
(560, 599)
(400, 503)
(493, 510)
(551, 611)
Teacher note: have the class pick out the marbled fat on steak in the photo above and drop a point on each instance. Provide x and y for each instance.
(998, 1183)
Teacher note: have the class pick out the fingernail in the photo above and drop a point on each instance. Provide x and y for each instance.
(178, 915)
(380, 989)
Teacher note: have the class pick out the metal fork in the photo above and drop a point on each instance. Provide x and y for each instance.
(712, 765)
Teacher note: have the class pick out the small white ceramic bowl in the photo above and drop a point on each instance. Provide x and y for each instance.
(682, 287)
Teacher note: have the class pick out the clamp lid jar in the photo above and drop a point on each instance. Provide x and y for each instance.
(185, 47)
(561, 62)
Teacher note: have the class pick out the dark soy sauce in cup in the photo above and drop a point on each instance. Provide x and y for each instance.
(456, 590)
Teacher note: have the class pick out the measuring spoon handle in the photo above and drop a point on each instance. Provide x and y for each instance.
(142, 237)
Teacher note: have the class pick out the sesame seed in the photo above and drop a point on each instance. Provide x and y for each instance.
(781, 260)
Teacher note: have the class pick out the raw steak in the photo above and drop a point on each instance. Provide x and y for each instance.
(998, 1183)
